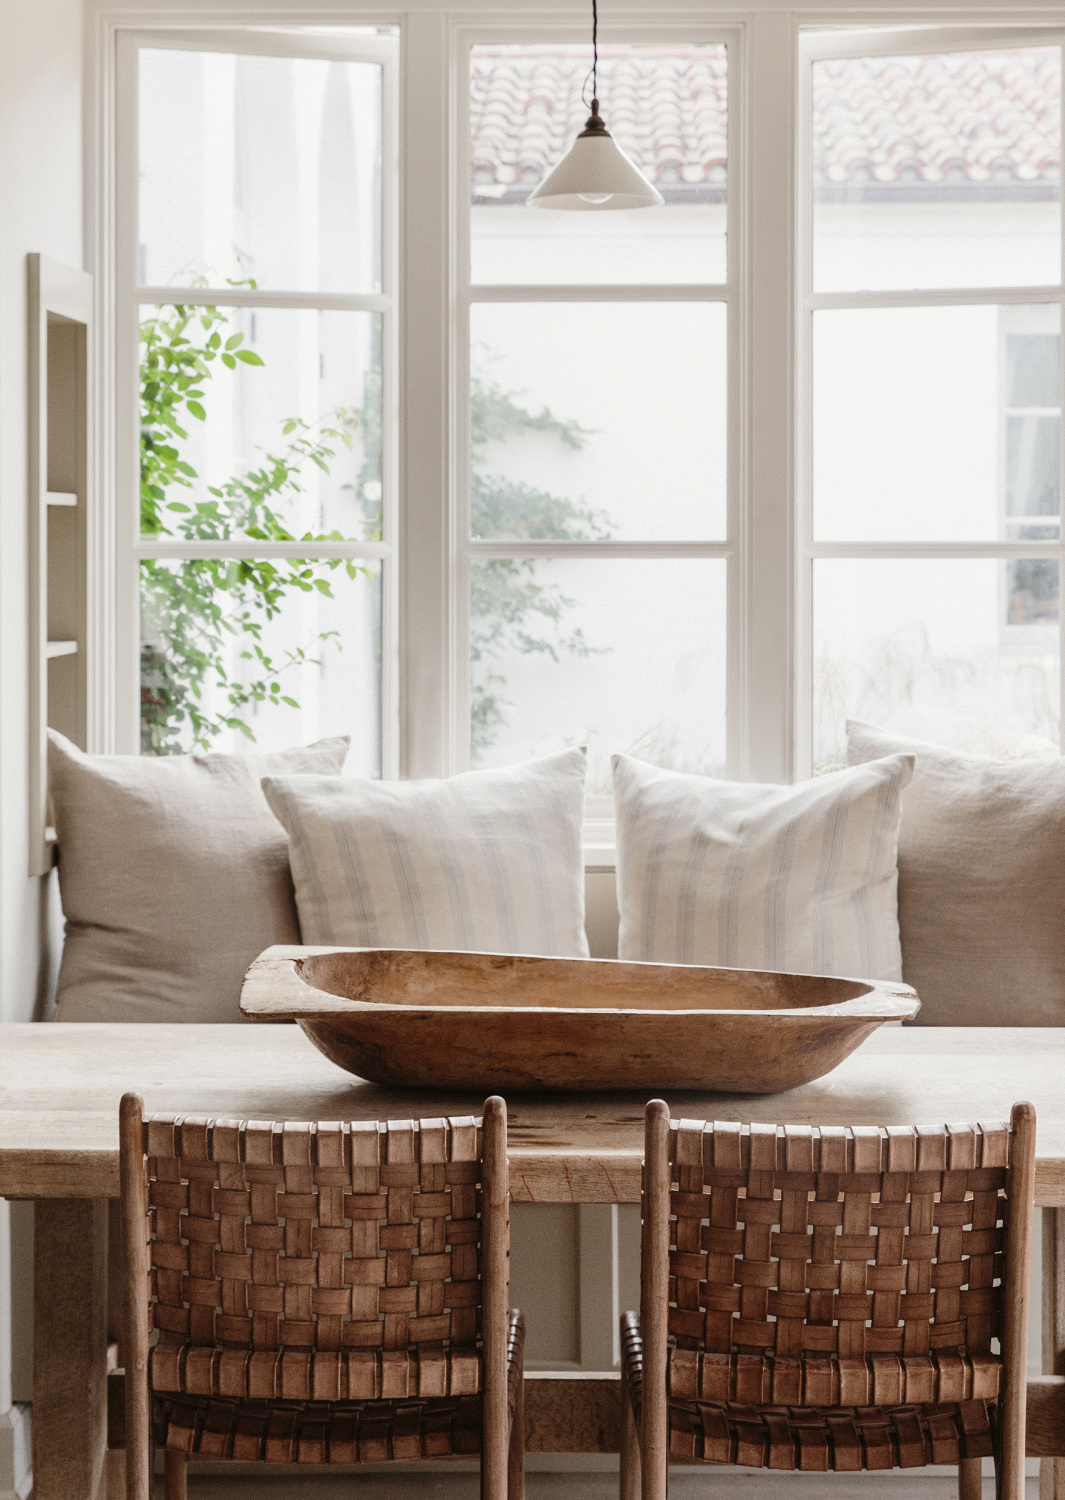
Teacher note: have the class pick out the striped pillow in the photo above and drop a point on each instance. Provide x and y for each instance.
(488, 862)
(795, 878)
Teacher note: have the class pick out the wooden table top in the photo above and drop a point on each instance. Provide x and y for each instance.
(60, 1086)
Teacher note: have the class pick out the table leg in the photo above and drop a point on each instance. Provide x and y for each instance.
(1052, 1470)
(70, 1349)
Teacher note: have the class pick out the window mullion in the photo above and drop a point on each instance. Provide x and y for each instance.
(425, 533)
(767, 635)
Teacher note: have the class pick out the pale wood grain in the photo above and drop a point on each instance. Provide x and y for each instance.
(495, 1236)
(70, 1349)
(491, 1020)
(1052, 1470)
(1045, 1421)
(654, 1303)
(134, 1214)
(970, 1481)
(60, 1087)
(1015, 1290)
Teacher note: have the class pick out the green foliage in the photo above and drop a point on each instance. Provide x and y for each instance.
(511, 611)
(193, 610)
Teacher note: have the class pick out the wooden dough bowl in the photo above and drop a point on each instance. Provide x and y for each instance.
(489, 1021)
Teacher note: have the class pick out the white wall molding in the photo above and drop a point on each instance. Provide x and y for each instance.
(16, 1472)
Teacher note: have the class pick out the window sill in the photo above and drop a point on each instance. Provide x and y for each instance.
(598, 836)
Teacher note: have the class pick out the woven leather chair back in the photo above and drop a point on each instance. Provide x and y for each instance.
(796, 1242)
(361, 1238)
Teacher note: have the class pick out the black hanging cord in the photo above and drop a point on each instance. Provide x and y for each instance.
(595, 49)
(594, 74)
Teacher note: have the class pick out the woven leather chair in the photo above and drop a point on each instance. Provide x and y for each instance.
(829, 1299)
(321, 1293)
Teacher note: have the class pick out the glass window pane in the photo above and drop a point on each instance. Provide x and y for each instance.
(266, 168)
(964, 653)
(667, 108)
(264, 655)
(936, 424)
(624, 655)
(260, 421)
(594, 420)
(937, 170)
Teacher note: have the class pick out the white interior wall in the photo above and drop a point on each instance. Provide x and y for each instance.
(40, 210)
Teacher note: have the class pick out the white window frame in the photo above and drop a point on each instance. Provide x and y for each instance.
(814, 46)
(770, 545)
(131, 297)
(466, 295)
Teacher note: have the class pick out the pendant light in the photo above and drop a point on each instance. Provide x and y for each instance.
(595, 173)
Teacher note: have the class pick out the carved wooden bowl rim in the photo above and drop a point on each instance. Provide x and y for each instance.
(274, 988)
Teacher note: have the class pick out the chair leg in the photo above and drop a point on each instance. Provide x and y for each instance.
(175, 1475)
(516, 1451)
(630, 1451)
(969, 1482)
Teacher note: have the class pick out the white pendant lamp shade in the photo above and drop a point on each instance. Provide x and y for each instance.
(595, 174)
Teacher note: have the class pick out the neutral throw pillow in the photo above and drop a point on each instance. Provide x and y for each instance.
(174, 875)
(981, 883)
(489, 861)
(796, 878)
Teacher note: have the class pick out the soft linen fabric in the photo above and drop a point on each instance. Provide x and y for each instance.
(794, 878)
(489, 861)
(173, 874)
(981, 883)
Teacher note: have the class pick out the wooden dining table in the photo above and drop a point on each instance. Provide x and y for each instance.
(59, 1091)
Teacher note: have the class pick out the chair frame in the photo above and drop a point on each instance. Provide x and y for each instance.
(502, 1331)
(645, 1446)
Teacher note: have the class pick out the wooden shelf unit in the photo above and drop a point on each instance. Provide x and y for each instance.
(60, 331)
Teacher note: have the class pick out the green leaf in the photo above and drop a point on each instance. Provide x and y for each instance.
(249, 356)
(196, 410)
(234, 340)
(229, 362)
(290, 701)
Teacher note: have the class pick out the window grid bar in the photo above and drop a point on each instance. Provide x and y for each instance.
(502, 549)
(956, 550)
(248, 548)
(602, 292)
(937, 297)
(216, 296)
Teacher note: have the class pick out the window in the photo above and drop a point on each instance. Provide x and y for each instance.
(598, 418)
(933, 304)
(696, 482)
(259, 546)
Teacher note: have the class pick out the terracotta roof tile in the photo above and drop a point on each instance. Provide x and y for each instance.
(969, 118)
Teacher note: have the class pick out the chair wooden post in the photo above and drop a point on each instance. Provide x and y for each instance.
(970, 1479)
(630, 1450)
(516, 1450)
(135, 1239)
(175, 1475)
(495, 1220)
(654, 1303)
(1015, 1294)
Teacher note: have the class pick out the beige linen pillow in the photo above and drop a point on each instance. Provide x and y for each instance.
(981, 883)
(489, 861)
(794, 878)
(173, 874)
